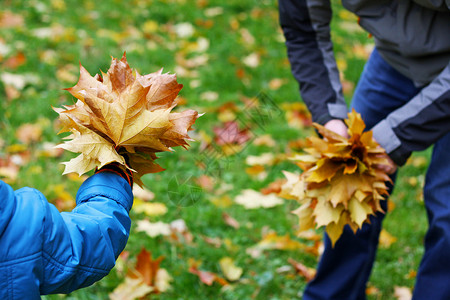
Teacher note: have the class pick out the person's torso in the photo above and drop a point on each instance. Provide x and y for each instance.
(413, 36)
(21, 220)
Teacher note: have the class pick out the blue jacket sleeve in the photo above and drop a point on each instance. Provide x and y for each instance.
(81, 247)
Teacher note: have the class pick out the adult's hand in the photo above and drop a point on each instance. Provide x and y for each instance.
(337, 126)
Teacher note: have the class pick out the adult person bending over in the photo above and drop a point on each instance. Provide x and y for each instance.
(43, 251)
(404, 96)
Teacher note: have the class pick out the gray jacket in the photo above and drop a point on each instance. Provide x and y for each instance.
(413, 36)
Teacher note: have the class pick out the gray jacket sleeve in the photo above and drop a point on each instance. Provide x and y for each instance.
(413, 127)
(306, 27)
(419, 123)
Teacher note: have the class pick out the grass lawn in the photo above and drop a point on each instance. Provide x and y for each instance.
(227, 54)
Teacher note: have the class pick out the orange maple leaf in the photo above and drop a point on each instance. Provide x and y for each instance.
(123, 117)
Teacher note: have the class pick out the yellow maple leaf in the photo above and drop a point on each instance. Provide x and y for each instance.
(229, 269)
(343, 180)
(124, 117)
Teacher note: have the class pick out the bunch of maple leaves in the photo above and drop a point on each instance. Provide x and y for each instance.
(123, 117)
(343, 182)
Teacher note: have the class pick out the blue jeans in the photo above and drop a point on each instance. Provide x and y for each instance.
(344, 270)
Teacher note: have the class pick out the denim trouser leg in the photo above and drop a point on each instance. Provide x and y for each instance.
(433, 277)
(345, 269)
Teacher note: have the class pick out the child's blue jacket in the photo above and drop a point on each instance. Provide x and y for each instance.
(43, 251)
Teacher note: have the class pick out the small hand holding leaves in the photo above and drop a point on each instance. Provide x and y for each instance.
(343, 179)
(123, 113)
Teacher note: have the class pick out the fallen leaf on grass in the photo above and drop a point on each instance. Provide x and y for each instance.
(264, 140)
(371, 290)
(144, 278)
(29, 133)
(302, 270)
(230, 134)
(67, 73)
(150, 209)
(63, 200)
(213, 241)
(153, 229)
(11, 93)
(146, 267)
(131, 289)
(229, 220)
(251, 199)
(230, 246)
(362, 51)
(402, 293)
(15, 61)
(206, 277)
(227, 112)
(48, 150)
(163, 280)
(418, 161)
(10, 20)
(273, 241)
(206, 182)
(180, 232)
(252, 60)
(223, 201)
(213, 11)
(267, 159)
(386, 239)
(411, 274)
(19, 81)
(142, 193)
(309, 235)
(256, 170)
(276, 83)
(274, 187)
(8, 170)
(209, 96)
(229, 269)
(297, 115)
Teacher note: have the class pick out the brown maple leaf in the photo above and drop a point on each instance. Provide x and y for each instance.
(123, 117)
(230, 134)
(343, 181)
(146, 267)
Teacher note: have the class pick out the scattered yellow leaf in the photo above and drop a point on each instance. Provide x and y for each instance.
(273, 241)
(229, 269)
(402, 293)
(149, 208)
(131, 289)
(153, 229)
(386, 239)
(251, 199)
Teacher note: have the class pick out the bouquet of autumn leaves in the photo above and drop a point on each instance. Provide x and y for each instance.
(123, 117)
(343, 179)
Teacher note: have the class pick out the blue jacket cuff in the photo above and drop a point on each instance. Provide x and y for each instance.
(109, 185)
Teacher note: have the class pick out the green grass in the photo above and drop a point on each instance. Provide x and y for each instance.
(91, 31)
